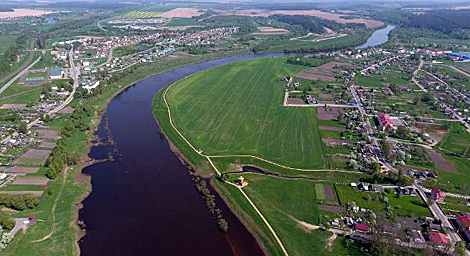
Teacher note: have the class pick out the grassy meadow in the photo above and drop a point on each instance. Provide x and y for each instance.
(237, 109)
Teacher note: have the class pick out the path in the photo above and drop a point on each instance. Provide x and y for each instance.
(20, 224)
(199, 152)
(47, 236)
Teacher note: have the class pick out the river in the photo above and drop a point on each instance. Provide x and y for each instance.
(143, 202)
(377, 38)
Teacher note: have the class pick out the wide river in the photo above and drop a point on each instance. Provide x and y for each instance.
(143, 202)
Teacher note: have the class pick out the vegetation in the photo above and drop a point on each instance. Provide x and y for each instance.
(19, 202)
(237, 109)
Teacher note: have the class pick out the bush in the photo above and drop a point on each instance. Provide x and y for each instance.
(6, 222)
(19, 202)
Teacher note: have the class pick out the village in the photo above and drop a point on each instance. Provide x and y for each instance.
(395, 115)
(73, 68)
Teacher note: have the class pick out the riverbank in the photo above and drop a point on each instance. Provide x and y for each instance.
(78, 185)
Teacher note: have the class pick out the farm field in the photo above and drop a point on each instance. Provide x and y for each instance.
(296, 45)
(235, 109)
(142, 15)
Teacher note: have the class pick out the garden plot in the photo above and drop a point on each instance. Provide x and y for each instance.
(33, 157)
(48, 134)
(34, 193)
(14, 106)
(440, 162)
(47, 144)
(324, 72)
(31, 181)
(332, 128)
(331, 208)
(329, 113)
(20, 170)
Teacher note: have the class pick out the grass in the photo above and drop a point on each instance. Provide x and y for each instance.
(295, 45)
(457, 140)
(177, 22)
(236, 109)
(403, 206)
(320, 191)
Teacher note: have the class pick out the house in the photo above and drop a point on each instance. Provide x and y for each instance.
(361, 227)
(438, 195)
(464, 225)
(376, 188)
(434, 226)
(438, 238)
(417, 236)
(385, 121)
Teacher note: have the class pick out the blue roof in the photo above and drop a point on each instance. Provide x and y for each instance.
(456, 54)
(354, 102)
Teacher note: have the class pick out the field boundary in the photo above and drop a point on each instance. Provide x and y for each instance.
(199, 152)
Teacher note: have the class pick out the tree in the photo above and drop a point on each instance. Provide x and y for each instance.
(23, 127)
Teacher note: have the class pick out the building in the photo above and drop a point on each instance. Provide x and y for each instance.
(438, 238)
(438, 195)
(57, 73)
(242, 181)
(464, 225)
(361, 227)
(385, 122)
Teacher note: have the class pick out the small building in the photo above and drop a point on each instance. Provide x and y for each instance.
(242, 181)
(56, 73)
(361, 227)
(464, 225)
(438, 238)
(438, 195)
(385, 121)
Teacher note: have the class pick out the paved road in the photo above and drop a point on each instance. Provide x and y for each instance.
(19, 225)
(22, 73)
(421, 62)
(434, 208)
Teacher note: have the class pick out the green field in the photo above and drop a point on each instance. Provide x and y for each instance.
(237, 109)
(285, 203)
(457, 140)
(142, 15)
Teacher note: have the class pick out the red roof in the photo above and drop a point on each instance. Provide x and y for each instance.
(362, 227)
(465, 220)
(385, 119)
(438, 238)
(437, 191)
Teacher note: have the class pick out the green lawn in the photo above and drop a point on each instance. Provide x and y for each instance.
(236, 109)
